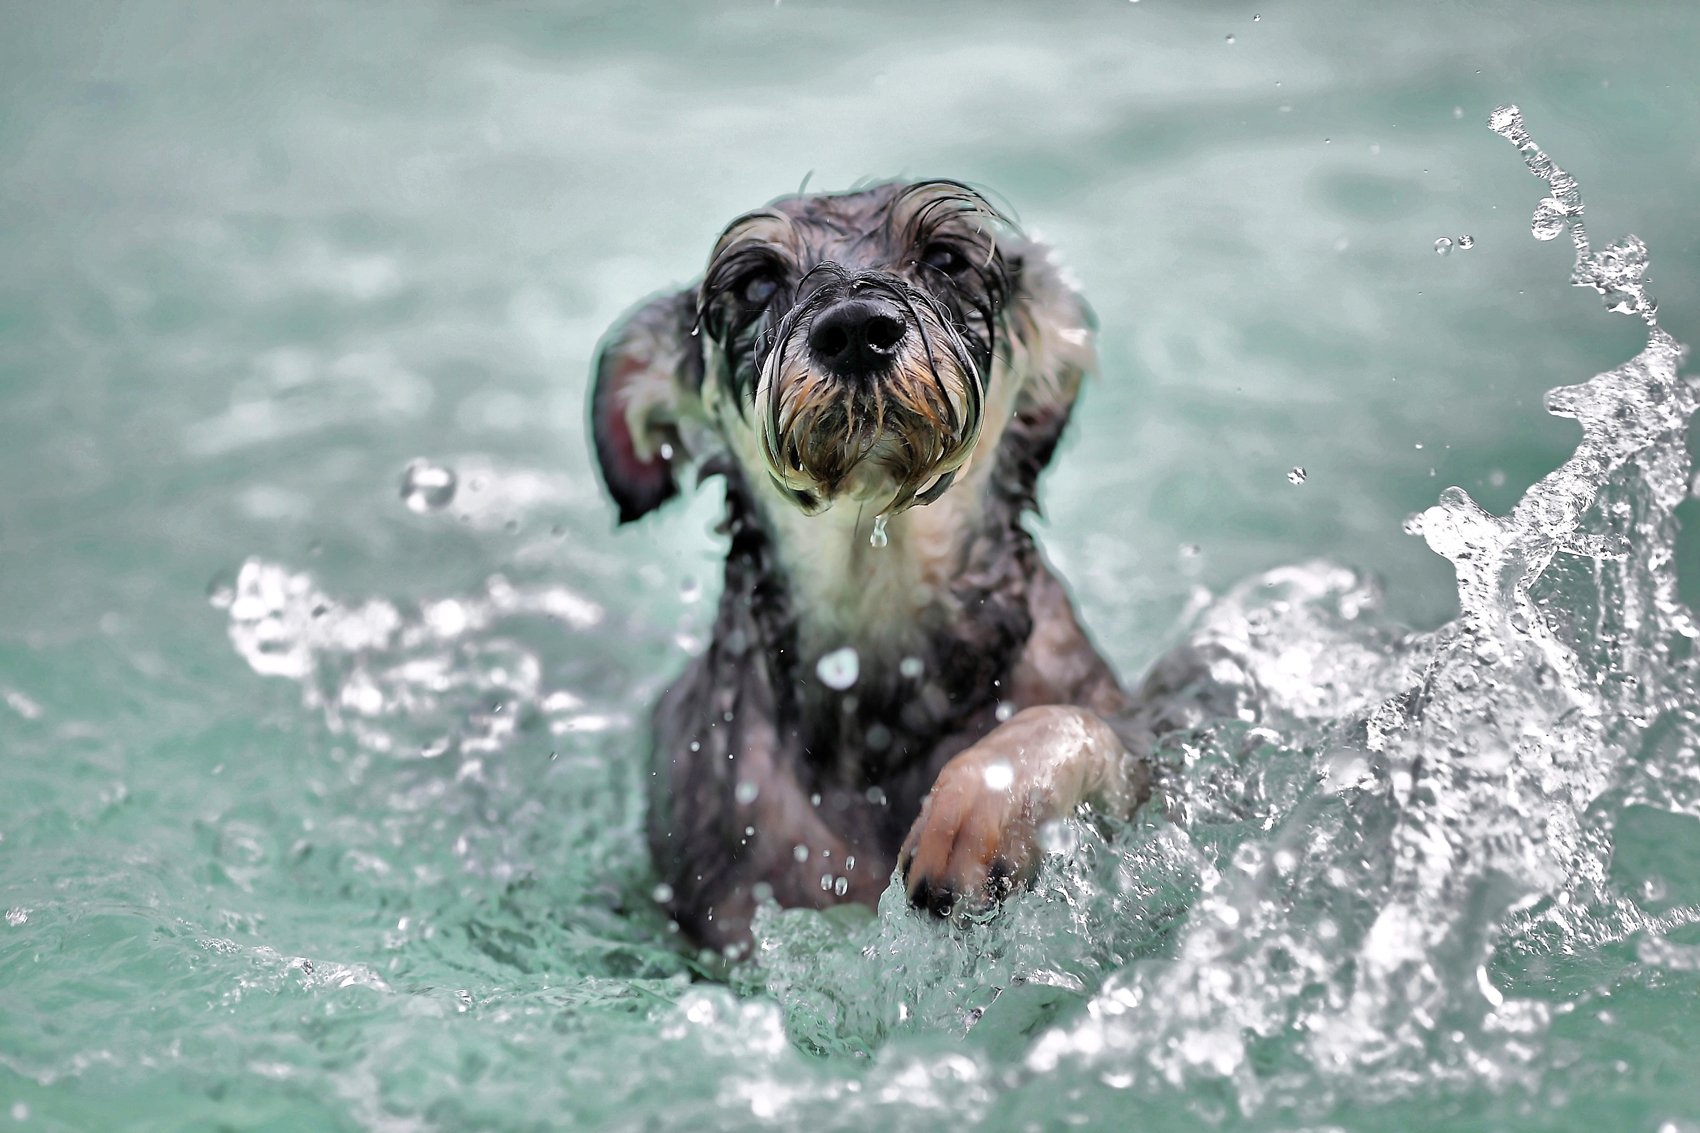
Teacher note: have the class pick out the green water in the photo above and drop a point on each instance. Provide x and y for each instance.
(255, 260)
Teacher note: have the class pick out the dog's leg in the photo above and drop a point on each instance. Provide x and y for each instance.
(977, 835)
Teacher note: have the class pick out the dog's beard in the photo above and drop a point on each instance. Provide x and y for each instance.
(892, 440)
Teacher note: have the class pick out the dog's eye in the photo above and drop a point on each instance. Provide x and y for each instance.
(944, 259)
(757, 290)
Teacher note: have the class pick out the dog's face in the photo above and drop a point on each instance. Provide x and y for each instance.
(854, 335)
(839, 347)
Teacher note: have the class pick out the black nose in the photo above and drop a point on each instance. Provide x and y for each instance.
(857, 336)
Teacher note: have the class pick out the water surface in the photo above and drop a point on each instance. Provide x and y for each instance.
(348, 837)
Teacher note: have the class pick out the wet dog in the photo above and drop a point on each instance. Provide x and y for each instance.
(895, 677)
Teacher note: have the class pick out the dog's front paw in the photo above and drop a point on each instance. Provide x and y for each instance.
(976, 838)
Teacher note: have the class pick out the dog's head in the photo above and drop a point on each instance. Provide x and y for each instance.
(854, 346)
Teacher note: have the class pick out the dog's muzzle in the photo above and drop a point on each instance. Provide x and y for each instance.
(871, 391)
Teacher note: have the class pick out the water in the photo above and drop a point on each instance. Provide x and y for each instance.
(323, 679)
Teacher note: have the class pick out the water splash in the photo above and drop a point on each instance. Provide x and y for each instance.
(429, 681)
(1360, 827)
(1616, 273)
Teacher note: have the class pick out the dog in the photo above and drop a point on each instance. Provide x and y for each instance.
(896, 678)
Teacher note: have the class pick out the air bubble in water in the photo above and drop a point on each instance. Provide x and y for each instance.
(1466, 241)
(426, 486)
(878, 538)
(1442, 246)
(839, 669)
(1296, 476)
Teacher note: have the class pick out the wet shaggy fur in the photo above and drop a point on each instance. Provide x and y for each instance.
(766, 781)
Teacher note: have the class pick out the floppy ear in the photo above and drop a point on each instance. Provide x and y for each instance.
(1051, 327)
(648, 378)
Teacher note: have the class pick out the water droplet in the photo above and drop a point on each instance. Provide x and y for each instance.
(746, 792)
(662, 893)
(1003, 711)
(839, 669)
(999, 775)
(1443, 247)
(762, 892)
(911, 667)
(1296, 476)
(689, 589)
(878, 538)
(1466, 241)
(850, 861)
(1230, 39)
(1256, 19)
(841, 886)
(1191, 550)
(800, 852)
(1457, 112)
(426, 486)
(17, 915)
(1413, 524)
(826, 881)
(1548, 220)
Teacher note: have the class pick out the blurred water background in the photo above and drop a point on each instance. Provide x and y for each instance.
(347, 837)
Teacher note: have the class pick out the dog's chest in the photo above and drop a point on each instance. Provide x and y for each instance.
(877, 596)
